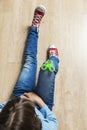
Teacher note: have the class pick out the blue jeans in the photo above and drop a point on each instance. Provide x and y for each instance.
(27, 77)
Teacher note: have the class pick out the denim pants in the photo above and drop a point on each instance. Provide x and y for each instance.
(27, 78)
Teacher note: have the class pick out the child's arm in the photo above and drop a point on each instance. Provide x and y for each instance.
(35, 99)
(49, 122)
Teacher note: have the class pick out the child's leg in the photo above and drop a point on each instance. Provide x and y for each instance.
(26, 80)
(46, 84)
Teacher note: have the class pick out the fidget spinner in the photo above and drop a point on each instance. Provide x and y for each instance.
(48, 65)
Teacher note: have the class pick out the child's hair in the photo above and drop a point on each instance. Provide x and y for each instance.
(19, 114)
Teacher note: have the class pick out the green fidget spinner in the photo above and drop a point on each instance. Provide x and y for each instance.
(48, 65)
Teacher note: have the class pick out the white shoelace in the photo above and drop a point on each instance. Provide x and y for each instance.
(37, 19)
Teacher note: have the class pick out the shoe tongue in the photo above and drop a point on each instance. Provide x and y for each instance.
(54, 49)
(39, 12)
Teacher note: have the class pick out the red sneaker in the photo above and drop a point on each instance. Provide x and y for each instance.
(38, 15)
(52, 51)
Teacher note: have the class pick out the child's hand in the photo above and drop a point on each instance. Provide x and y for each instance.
(34, 98)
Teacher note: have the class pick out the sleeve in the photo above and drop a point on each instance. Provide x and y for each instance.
(50, 121)
(2, 106)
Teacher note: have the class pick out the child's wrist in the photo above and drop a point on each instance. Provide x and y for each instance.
(40, 103)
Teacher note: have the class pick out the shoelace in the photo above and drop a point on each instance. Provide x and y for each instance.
(37, 18)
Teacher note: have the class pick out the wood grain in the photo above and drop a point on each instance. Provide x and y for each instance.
(65, 25)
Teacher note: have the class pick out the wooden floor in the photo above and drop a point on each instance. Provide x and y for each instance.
(65, 25)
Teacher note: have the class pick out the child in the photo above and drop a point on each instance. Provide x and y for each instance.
(31, 109)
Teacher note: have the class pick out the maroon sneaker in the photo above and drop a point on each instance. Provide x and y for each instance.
(38, 15)
(52, 51)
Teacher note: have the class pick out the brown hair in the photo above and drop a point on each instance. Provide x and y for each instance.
(19, 114)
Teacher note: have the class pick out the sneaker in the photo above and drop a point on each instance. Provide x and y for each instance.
(52, 51)
(38, 15)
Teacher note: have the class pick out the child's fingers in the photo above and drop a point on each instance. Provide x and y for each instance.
(26, 94)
